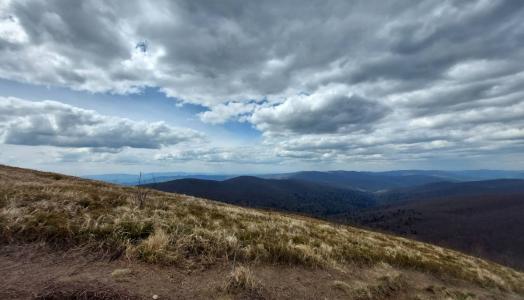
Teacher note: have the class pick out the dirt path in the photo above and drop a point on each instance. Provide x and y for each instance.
(29, 271)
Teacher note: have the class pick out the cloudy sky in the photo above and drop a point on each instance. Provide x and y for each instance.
(261, 86)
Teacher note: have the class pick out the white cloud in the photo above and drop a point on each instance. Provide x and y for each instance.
(237, 155)
(222, 113)
(56, 124)
(331, 109)
(11, 31)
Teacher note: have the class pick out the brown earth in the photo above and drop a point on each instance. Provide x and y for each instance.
(36, 271)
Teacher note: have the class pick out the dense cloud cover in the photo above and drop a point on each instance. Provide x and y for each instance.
(328, 80)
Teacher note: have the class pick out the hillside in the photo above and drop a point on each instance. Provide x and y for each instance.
(364, 181)
(461, 175)
(392, 180)
(68, 238)
(482, 218)
(441, 190)
(286, 195)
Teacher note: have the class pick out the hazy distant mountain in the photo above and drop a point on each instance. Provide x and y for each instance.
(449, 189)
(484, 218)
(381, 181)
(365, 181)
(278, 194)
(133, 179)
(464, 175)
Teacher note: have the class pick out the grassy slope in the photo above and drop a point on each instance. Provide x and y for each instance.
(186, 231)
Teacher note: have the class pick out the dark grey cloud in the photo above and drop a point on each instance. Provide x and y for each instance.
(56, 124)
(78, 30)
(207, 52)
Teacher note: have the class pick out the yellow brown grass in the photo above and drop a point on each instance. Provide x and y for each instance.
(178, 229)
(242, 279)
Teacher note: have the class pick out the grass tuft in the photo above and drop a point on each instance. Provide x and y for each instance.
(155, 249)
(242, 279)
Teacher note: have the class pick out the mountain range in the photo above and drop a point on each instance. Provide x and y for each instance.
(276, 194)
(358, 180)
(136, 179)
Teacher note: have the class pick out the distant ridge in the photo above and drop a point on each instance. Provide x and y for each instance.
(356, 180)
(134, 179)
(280, 194)
(388, 180)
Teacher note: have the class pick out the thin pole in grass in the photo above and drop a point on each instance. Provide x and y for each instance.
(141, 193)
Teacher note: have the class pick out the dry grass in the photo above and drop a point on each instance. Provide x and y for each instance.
(343, 286)
(387, 285)
(385, 288)
(121, 274)
(242, 279)
(176, 229)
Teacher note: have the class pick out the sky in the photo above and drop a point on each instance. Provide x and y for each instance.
(252, 87)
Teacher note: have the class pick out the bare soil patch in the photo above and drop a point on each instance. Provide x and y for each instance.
(35, 271)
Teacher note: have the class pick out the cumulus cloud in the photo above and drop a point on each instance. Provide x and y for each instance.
(222, 113)
(56, 124)
(327, 111)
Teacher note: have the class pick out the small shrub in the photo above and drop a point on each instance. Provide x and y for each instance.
(57, 176)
